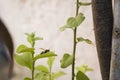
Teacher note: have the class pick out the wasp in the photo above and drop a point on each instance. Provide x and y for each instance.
(45, 51)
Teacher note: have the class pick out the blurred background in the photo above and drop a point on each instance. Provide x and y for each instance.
(45, 17)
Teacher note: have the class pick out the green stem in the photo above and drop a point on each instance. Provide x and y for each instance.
(33, 64)
(50, 77)
(74, 42)
(33, 68)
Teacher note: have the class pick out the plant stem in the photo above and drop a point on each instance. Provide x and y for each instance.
(33, 64)
(33, 68)
(74, 42)
(50, 77)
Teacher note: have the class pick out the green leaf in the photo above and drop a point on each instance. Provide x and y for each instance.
(84, 3)
(42, 68)
(88, 41)
(66, 60)
(27, 78)
(31, 38)
(58, 74)
(81, 39)
(30, 34)
(81, 76)
(38, 38)
(46, 55)
(24, 59)
(64, 27)
(80, 18)
(72, 22)
(50, 61)
(42, 76)
(84, 68)
(22, 48)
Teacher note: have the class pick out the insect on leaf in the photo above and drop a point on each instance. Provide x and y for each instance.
(48, 54)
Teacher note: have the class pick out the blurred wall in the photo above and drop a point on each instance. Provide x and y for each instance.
(45, 17)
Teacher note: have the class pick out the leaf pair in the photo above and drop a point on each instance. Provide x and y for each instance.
(81, 72)
(84, 68)
(73, 22)
(45, 76)
(31, 38)
(45, 69)
(25, 59)
(23, 56)
(54, 75)
(45, 72)
(67, 61)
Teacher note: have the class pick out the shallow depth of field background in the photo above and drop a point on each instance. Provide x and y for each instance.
(45, 17)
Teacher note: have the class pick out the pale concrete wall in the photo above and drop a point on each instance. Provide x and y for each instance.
(45, 17)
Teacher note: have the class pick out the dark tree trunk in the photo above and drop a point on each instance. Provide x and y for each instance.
(115, 59)
(6, 38)
(103, 24)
